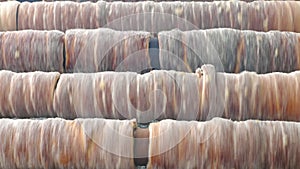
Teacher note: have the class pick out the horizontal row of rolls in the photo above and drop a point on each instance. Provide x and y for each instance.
(103, 143)
(151, 16)
(76, 51)
(103, 49)
(58, 143)
(128, 0)
(156, 95)
(142, 0)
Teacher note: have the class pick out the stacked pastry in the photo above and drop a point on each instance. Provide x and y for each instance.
(103, 111)
(230, 50)
(221, 143)
(153, 96)
(8, 15)
(59, 143)
(106, 49)
(30, 50)
(152, 16)
(75, 51)
(103, 49)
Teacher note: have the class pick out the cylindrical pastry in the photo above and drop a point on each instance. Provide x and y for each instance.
(230, 50)
(158, 16)
(59, 143)
(222, 143)
(104, 95)
(156, 95)
(8, 15)
(169, 94)
(248, 95)
(105, 49)
(27, 94)
(30, 50)
(58, 15)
